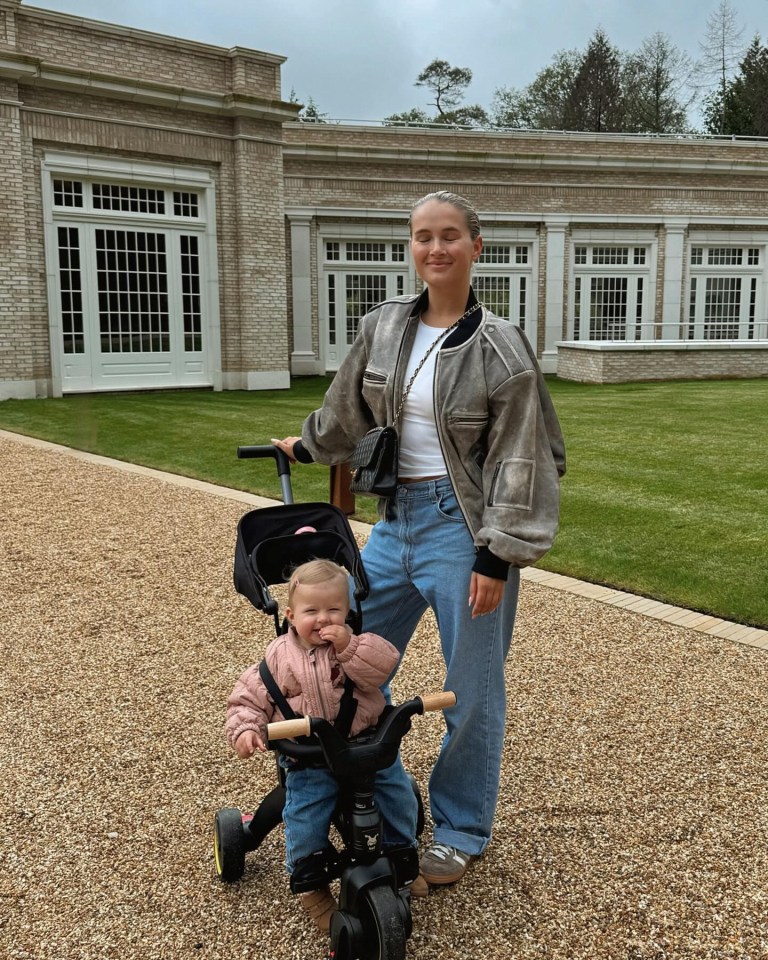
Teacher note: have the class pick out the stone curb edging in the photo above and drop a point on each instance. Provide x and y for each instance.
(667, 613)
(679, 616)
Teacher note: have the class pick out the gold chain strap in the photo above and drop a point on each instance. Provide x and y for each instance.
(426, 357)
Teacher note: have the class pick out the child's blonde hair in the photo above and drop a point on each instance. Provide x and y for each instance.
(316, 571)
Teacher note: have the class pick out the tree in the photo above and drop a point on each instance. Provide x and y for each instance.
(595, 101)
(658, 87)
(743, 109)
(415, 117)
(310, 112)
(721, 51)
(541, 105)
(448, 84)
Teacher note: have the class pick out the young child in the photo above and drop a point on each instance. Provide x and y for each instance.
(310, 664)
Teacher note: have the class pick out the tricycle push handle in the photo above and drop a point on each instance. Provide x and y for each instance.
(265, 450)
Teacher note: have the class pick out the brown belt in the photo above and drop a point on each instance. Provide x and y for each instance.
(419, 479)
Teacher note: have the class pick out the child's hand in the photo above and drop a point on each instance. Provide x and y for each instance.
(248, 742)
(338, 634)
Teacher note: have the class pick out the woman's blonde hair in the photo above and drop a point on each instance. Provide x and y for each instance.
(461, 203)
(314, 572)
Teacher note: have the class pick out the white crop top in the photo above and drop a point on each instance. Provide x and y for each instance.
(420, 454)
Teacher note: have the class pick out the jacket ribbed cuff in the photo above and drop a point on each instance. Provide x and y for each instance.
(301, 453)
(489, 565)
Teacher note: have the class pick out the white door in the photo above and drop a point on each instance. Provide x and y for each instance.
(131, 307)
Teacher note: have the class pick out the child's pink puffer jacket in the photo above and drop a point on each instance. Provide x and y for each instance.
(312, 682)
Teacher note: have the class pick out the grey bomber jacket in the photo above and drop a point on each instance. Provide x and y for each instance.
(497, 426)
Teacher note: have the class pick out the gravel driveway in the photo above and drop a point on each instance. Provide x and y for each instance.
(633, 821)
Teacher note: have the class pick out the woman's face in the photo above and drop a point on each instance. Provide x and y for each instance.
(442, 248)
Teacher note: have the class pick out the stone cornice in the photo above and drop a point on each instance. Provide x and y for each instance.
(32, 72)
(145, 36)
(532, 150)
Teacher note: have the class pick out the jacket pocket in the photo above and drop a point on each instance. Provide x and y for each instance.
(513, 484)
(375, 388)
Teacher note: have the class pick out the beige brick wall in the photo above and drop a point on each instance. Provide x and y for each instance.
(16, 350)
(243, 154)
(625, 366)
(111, 50)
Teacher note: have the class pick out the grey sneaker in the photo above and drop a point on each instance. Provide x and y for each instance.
(443, 864)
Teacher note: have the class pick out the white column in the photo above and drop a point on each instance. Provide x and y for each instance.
(673, 280)
(303, 359)
(554, 305)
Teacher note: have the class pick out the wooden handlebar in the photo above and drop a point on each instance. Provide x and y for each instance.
(283, 729)
(439, 701)
(287, 729)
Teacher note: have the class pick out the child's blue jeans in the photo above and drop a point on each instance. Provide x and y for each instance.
(311, 798)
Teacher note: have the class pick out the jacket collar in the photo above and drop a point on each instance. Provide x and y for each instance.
(466, 327)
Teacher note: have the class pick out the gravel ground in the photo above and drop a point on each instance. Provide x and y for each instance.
(633, 818)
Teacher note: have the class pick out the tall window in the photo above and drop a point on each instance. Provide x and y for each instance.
(132, 296)
(502, 280)
(358, 275)
(610, 292)
(724, 301)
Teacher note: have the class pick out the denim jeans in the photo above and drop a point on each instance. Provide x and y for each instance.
(310, 799)
(420, 556)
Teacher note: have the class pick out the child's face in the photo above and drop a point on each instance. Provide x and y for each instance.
(315, 606)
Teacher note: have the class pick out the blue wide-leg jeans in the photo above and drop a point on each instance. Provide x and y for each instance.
(422, 555)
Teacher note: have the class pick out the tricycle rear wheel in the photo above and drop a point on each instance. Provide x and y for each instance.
(229, 845)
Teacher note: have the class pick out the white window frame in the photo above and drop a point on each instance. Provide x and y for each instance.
(633, 272)
(694, 327)
(516, 237)
(94, 168)
(332, 355)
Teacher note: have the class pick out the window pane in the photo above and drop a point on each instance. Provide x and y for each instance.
(190, 285)
(67, 193)
(185, 204)
(132, 286)
(496, 253)
(371, 252)
(494, 293)
(724, 256)
(115, 196)
(363, 292)
(608, 308)
(722, 306)
(70, 283)
(331, 309)
(609, 255)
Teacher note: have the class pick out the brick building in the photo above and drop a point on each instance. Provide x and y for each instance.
(167, 223)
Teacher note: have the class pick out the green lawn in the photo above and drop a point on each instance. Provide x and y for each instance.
(666, 493)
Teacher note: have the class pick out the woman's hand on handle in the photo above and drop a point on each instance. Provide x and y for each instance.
(485, 594)
(286, 446)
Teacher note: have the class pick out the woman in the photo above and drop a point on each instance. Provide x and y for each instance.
(481, 454)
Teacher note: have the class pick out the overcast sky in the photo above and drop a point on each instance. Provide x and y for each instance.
(359, 59)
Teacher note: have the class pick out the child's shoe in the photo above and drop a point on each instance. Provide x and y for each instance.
(419, 887)
(320, 905)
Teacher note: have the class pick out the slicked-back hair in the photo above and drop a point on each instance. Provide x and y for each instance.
(460, 203)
